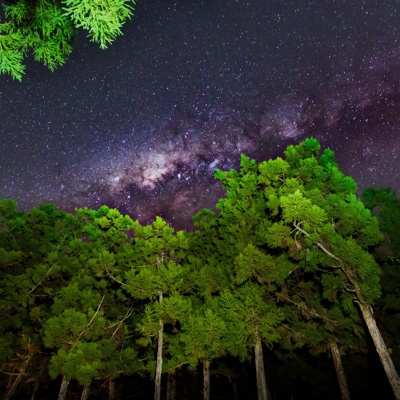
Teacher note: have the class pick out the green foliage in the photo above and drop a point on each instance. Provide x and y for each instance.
(103, 19)
(286, 259)
(47, 27)
(296, 208)
(265, 268)
(56, 286)
(247, 315)
(157, 253)
(305, 150)
(42, 27)
(9, 258)
(11, 55)
(171, 310)
(273, 172)
(279, 235)
(385, 204)
(82, 363)
(202, 337)
(297, 230)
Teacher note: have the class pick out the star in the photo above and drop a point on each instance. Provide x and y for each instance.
(144, 125)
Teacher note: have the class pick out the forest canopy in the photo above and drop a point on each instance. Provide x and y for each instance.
(289, 266)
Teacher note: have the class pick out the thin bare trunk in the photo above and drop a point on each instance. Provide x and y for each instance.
(10, 382)
(157, 392)
(337, 360)
(206, 379)
(262, 390)
(38, 378)
(366, 311)
(85, 391)
(36, 388)
(234, 388)
(171, 387)
(11, 390)
(111, 389)
(16, 382)
(382, 350)
(37, 383)
(63, 388)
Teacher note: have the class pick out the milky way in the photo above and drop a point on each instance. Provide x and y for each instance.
(143, 126)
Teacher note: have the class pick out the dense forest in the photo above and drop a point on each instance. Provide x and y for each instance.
(290, 289)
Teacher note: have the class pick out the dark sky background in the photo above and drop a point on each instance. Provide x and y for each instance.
(190, 86)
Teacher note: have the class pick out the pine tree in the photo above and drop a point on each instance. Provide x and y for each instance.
(306, 209)
(243, 268)
(56, 289)
(157, 276)
(199, 340)
(104, 244)
(33, 261)
(313, 323)
(313, 213)
(251, 321)
(386, 206)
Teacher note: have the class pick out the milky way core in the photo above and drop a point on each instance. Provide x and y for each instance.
(143, 126)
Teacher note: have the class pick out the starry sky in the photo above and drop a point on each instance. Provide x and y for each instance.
(191, 85)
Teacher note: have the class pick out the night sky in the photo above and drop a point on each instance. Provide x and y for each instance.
(190, 86)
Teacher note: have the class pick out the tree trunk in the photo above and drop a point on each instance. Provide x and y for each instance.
(171, 387)
(337, 360)
(38, 378)
(235, 392)
(111, 389)
(262, 390)
(157, 392)
(37, 383)
(11, 390)
(206, 379)
(63, 388)
(36, 388)
(382, 350)
(366, 311)
(85, 391)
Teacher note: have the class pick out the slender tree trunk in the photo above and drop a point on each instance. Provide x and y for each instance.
(171, 387)
(379, 343)
(262, 390)
(337, 360)
(111, 389)
(157, 392)
(10, 392)
(382, 350)
(206, 379)
(85, 391)
(63, 388)
(35, 388)
(38, 378)
(235, 392)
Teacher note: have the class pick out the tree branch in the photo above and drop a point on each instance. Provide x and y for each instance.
(48, 272)
(88, 324)
(119, 323)
(303, 307)
(356, 290)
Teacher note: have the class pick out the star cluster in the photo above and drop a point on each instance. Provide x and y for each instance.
(143, 125)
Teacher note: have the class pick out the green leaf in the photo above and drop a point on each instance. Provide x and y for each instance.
(103, 19)
(11, 54)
